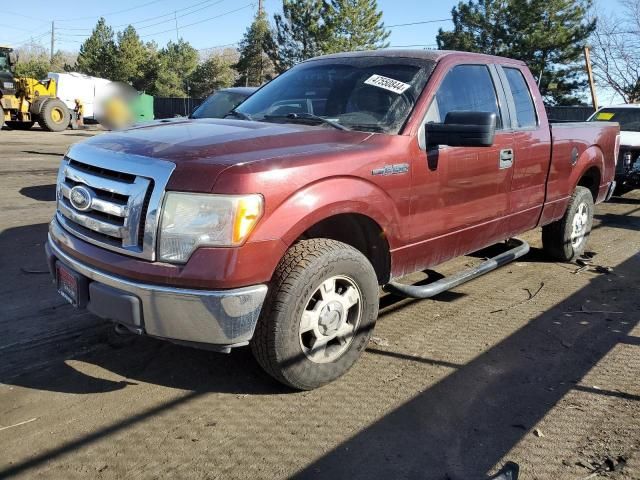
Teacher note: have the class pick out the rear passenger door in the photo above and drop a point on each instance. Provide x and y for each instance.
(532, 149)
(461, 194)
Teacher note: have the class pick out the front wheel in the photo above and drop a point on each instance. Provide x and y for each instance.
(319, 314)
(566, 238)
(54, 116)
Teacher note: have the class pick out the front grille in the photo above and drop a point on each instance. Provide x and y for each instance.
(115, 206)
(112, 201)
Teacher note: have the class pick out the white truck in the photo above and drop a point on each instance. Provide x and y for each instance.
(72, 86)
(628, 166)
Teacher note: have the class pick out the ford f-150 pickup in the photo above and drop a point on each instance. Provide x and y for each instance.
(276, 226)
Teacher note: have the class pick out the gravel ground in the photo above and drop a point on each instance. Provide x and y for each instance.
(537, 363)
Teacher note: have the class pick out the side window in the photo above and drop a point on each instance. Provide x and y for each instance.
(525, 111)
(465, 88)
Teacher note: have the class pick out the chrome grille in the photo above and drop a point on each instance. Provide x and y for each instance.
(112, 199)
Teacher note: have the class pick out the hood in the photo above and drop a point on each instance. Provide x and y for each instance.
(202, 149)
(629, 139)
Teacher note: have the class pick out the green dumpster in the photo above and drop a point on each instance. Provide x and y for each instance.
(142, 108)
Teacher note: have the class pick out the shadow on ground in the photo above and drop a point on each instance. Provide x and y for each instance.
(458, 428)
(42, 193)
(469, 421)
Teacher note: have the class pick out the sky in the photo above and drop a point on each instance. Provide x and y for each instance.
(204, 23)
(155, 20)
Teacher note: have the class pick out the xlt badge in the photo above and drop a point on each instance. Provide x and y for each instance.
(397, 169)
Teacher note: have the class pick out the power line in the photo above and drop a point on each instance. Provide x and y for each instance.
(67, 40)
(148, 19)
(111, 13)
(418, 23)
(172, 18)
(5, 12)
(16, 28)
(200, 21)
(32, 38)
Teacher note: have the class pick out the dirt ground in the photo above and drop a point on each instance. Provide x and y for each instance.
(537, 363)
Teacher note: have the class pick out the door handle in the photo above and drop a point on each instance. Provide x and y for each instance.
(506, 158)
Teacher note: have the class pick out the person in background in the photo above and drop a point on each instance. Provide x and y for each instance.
(79, 113)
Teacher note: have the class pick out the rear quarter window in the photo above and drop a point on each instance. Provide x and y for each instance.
(525, 110)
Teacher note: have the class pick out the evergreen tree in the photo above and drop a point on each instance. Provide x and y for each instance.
(300, 32)
(548, 35)
(354, 25)
(214, 73)
(131, 59)
(254, 65)
(97, 55)
(176, 63)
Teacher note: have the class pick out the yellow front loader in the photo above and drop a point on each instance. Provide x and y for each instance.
(24, 101)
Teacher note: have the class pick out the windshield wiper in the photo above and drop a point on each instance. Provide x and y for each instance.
(242, 116)
(306, 117)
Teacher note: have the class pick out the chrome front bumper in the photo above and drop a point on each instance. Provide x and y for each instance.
(224, 318)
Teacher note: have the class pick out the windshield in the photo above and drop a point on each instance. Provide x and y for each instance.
(628, 118)
(4, 62)
(367, 93)
(219, 105)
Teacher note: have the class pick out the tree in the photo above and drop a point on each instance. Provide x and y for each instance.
(131, 59)
(616, 51)
(549, 35)
(301, 32)
(214, 73)
(34, 61)
(354, 25)
(97, 55)
(176, 62)
(254, 65)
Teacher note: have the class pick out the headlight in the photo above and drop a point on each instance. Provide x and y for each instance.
(192, 220)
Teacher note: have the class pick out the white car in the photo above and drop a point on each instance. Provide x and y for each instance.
(628, 167)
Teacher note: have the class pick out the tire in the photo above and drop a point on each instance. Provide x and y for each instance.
(566, 238)
(54, 116)
(321, 277)
(20, 125)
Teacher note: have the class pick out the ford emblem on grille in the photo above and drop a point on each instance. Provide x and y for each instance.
(81, 198)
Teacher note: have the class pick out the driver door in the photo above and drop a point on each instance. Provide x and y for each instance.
(460, 195)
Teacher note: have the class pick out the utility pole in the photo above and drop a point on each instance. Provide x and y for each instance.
(592, 87)
(259, 6)
(53, 37)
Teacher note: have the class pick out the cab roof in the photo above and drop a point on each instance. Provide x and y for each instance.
(420, 54)
(623, 105)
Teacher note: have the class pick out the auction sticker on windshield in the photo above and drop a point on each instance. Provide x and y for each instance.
(605, 115)
(395, 86)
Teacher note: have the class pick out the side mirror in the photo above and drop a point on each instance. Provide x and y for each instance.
(463, 129)
(13, 58)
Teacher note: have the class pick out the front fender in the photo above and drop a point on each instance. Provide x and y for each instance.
(325, 198)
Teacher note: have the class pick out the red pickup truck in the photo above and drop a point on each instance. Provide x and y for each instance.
(276, 226)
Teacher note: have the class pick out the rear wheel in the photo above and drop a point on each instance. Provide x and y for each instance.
(54, 116)
(20, 125)
(567, 238)
(319, 314)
